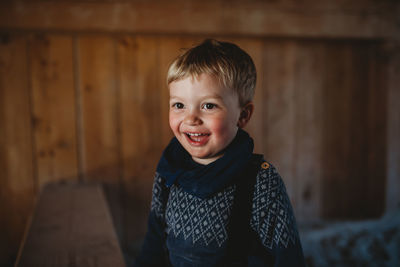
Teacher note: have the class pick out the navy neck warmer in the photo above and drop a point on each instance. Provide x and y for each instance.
(177, 166)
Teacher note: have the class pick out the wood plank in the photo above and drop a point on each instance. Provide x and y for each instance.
(377, 125)
(354, 145)
(358, 168)
(141, 128)
(345, 18)
(336, 131)
(99, 127)
(367, 145)
(310, 70)
(53, 100)
(140, 93)
(279, 109)
(97, 82)
(72, 226)
(17, 178)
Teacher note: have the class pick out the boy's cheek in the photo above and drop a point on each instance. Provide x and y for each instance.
(172, 119)
(219, 125)
(174, 124)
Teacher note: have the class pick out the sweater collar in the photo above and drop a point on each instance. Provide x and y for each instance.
(178, 167)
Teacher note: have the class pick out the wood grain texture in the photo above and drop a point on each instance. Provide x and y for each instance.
(53, 101)
(140, 128)
(71, 226)
(336, 131)
(279, 110)
(140, 95)
(377, 125)
(310, 69)
(17, 177)
(99, 101)
(100, 110)
(311, 18)
(352, 139)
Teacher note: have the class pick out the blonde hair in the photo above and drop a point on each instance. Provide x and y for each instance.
(230, 64)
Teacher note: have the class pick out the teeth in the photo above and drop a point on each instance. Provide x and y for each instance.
(195, 134)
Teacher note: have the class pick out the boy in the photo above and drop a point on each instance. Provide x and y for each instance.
(215, 203)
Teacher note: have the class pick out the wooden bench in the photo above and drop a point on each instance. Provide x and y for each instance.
(71, 226)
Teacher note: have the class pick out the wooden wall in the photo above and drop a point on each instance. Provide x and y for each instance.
(83, 98)
(95, 107)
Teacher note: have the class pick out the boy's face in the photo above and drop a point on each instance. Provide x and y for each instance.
(203, 116)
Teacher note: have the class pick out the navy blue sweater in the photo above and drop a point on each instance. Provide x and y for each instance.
(232, 212)
(185, 230)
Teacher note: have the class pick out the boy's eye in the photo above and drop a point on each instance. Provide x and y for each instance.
(178, 105)
(209, 106)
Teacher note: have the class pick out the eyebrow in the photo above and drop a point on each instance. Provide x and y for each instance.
(215, 96)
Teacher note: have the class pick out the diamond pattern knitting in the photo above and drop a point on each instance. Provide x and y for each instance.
(159, 197)
(272, 215)
(205, 220)
(202, 220)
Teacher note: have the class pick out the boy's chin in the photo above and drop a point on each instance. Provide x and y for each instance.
(205, 159)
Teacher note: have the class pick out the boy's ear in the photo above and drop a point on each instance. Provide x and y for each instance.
(245, 114)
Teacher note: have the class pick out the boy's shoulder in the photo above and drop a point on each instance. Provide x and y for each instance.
(272, 214)
(267, 173)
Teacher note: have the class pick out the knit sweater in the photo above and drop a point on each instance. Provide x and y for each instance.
(185, 230)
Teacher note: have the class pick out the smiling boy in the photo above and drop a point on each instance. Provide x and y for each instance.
(205, 116)
(215, 203)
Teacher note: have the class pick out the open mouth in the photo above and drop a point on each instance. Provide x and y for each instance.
(197, 138)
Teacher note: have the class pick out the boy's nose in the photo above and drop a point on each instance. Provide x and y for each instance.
(192, 118)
